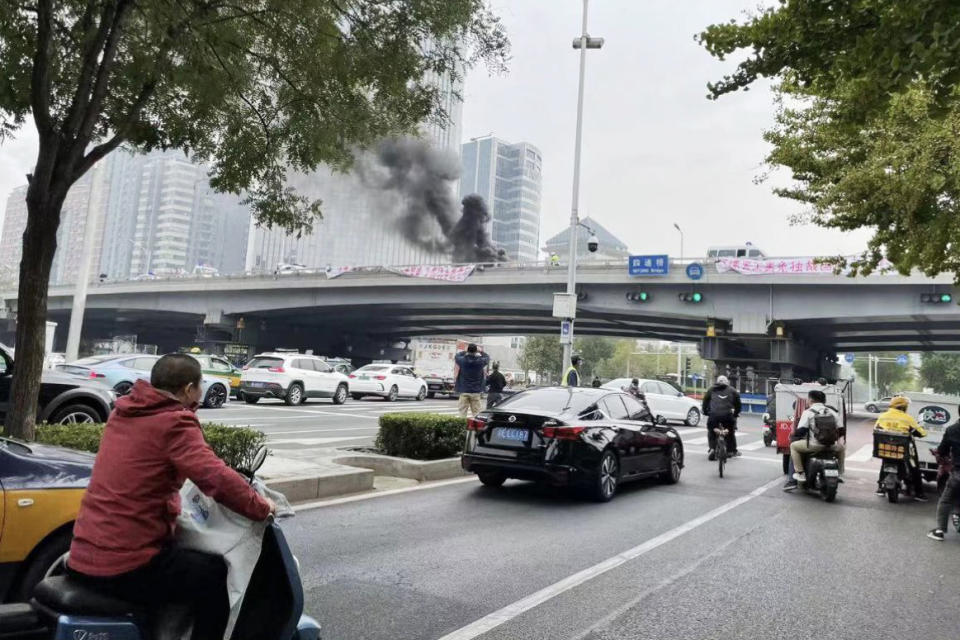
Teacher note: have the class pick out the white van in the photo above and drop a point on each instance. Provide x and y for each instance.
(934, 412)
(736, 251)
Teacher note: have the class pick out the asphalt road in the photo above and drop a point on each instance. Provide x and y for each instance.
(705, 559)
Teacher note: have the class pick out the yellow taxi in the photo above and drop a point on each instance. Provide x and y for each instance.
(40, 492)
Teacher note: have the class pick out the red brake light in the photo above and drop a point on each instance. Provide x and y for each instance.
(563, 433)
(276, 369)
(380, 377)
(94, 374)
(352, 376)
(476, 424)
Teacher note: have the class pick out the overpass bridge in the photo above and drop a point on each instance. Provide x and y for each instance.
(796, 322)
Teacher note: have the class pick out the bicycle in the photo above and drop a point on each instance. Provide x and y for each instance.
(721, 447)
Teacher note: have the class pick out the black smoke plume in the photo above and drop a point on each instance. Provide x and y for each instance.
(429, 217)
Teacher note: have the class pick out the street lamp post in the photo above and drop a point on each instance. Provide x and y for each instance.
(582, 43)
(677, 227)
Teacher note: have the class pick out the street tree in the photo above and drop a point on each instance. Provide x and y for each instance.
(595, 350)
(541, 354)
(941, 372)
(252, 88)
(890, 376)
(867, 120)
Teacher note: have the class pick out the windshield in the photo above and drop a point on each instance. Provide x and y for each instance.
(265, 363)
(552, 400)
(373, 367)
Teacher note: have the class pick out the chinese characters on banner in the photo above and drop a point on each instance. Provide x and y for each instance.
(436, 272)
(333, 272)
(748, 266)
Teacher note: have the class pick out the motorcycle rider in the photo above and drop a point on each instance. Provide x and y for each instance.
(805, 442)
(897, 419)
(124, 532)
(721, 405)
(949, 447)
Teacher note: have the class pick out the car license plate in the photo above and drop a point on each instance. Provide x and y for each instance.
(511, 433)
(364, 377)
(831, 473)
(258, 384)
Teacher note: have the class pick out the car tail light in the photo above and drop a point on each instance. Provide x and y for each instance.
(563, 433)
(276, 369)
(476, 424)
(94, 374)
(352, 376)
(380, 377)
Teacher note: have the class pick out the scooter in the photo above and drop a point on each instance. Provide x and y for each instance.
(823, 474)
(895, 450)
(61, 609)
(769, 430)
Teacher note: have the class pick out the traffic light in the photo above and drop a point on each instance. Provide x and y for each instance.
(695, 297)
(687, 364)
(936, 298)
(639, 296)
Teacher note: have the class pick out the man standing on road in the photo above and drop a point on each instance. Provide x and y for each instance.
(571, 377)
(721, 405)
(495, 384)
(470, 379)
(949, 447)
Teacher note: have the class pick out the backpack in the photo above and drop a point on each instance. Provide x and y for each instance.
(824, 428)
(721, 402)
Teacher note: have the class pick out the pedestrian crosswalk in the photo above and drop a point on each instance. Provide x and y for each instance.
(862, 454)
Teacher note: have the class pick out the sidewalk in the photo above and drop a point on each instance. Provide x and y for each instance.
(309, 474)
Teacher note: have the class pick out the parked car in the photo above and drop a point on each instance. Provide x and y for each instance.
(388, 382)
(63, 399)
(437, 383)
(42, 487)
(579, 436)
(120, 371)
(293, 378)
(666, 402)
(878, 406)
(220, 367)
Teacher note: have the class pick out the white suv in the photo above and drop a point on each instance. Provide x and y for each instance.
(291, 377)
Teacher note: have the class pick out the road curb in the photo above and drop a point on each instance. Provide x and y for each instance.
(307, 488)
(420, 470)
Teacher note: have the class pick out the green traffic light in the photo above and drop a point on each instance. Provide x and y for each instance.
(643, 296)
(946, 297)
(697, 297)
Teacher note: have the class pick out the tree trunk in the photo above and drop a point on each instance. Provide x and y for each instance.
(39, 246)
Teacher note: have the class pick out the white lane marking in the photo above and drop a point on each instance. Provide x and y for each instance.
(862, 454)
(497, 618)
(309, 441)
(702, 440)
(381, 494)
(319, 430)
(752, 446)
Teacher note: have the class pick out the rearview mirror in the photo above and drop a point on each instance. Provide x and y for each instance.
(258, 459)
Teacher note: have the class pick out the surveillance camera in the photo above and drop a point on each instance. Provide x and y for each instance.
(593, 244)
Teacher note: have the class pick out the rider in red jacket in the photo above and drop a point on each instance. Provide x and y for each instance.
(123, 536)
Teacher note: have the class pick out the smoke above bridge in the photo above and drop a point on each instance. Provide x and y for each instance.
(429, 216)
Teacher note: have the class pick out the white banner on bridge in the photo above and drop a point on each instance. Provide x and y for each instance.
(436, 272)
(333, 272)
(749, 266)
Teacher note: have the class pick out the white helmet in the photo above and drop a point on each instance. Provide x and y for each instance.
(723, 380)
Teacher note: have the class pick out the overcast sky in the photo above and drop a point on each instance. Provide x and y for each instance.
(655, 150)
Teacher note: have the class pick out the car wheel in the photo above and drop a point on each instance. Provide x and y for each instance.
(422, 394)
(608, 477)
(340, 395)
(251, 399)
(492, 478)
(76, 414)
(122, 388)
(671, 474)
(392, 396)
(872, 408)
(768, 439)
(693, 417)
(216, 397)
(356, 396)
(42, 559)
(294, 394)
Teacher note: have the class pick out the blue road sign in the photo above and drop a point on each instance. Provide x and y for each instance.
(695, 271)
(902, 359)
(649, 265)
(848, 358)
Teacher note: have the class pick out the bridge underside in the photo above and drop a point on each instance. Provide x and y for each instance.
(913, 333)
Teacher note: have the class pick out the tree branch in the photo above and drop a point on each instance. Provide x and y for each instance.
(120, 134)
(103, 73)
(93, 44)
(40, 77)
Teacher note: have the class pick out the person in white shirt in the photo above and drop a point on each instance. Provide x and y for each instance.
(804, 441)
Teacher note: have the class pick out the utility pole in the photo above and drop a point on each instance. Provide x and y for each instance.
(94, 217)
(582, 43)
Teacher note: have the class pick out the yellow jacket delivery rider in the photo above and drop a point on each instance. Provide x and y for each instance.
(897, 419)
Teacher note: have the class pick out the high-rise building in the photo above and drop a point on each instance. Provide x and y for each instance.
(508, 176)
(11, 239)
(357, 228)
(611, 247)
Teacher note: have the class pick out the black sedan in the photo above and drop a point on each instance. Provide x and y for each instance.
(583, 437)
